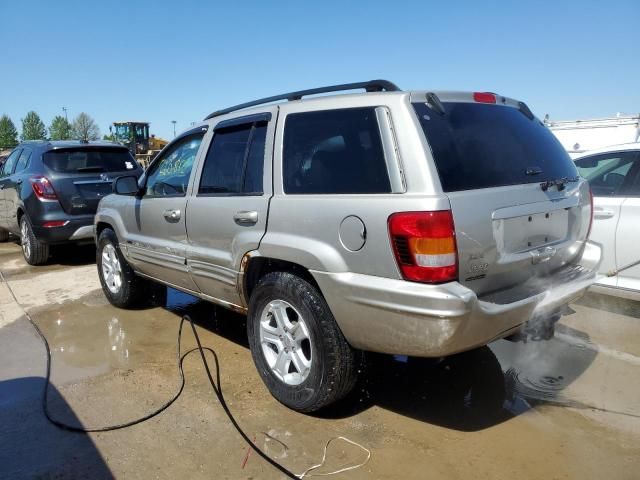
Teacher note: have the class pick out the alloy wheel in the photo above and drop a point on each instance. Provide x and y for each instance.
(285, 342)
(111, 269)
(25, 239)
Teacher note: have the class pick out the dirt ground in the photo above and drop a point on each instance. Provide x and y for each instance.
(566, 408)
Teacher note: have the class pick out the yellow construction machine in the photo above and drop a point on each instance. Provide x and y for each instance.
(135, 135)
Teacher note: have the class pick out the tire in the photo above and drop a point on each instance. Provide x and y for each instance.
(4, 235)
(299, 351)
(122, 287)
(35, 252)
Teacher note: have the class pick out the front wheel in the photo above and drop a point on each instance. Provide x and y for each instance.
(299, 351)
(122, 287)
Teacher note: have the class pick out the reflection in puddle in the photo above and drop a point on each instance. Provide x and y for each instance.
(95, 344)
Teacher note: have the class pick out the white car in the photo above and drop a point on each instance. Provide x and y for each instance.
(614, 175)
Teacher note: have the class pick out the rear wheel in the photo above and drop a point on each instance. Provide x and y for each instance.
(122, 287)
(299, 351)
(35, 252)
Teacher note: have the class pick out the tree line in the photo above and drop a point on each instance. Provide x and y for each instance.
(83, 128)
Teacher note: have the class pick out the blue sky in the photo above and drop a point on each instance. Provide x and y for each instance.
(161, 61)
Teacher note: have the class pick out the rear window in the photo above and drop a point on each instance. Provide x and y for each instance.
(90, 160)
(482, 146)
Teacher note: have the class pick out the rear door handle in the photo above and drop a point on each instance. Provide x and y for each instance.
(603, 213)
(19, 181)
(171, 215)
(246, 218)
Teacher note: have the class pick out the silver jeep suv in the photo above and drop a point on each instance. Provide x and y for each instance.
(414, 223)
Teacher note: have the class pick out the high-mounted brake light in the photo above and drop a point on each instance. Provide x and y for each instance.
(425, 246)
(484, 97)
(42, 188)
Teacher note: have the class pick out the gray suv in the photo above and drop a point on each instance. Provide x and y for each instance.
(413, 223)
(49, 191)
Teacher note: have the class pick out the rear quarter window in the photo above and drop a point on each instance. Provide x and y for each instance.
(482, 146)
(90, 160)
(334, 152)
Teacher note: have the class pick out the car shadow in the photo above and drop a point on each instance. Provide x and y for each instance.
(34, 448)
(469, 391)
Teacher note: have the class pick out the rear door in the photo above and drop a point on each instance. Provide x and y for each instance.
(227, 215)
(13, 189)
(494, 160)
(5, 182)
(156, 235)
(607, 173)
(628, 232)
(82, 176)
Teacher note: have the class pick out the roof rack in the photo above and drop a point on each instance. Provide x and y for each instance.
(370, 86)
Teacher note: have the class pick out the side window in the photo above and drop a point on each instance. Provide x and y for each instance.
(7, 168)
(609, 174)
(235, 161)
(334, 151)
(169, 175)
(23, 161)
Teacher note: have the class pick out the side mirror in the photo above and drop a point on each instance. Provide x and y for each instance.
(127, 185)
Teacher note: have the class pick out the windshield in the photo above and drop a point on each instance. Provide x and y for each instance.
(90, 160)
(482, 146)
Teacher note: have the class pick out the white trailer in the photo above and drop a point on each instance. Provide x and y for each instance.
(579, 136)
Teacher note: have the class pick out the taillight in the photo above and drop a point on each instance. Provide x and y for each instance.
(42, 188)
(424, 244)
(484, 97)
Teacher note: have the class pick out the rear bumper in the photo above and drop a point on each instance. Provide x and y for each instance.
(77, 229)
(399, 317)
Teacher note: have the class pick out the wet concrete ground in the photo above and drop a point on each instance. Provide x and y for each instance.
(567, 408)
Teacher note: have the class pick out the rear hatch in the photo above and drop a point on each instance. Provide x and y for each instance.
(520, 209)
(82, 176)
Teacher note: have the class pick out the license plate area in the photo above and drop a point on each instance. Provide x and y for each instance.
(92, 191)
(529, 232)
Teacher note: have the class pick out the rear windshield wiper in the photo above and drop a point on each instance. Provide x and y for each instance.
(90, 169)
(560, 183)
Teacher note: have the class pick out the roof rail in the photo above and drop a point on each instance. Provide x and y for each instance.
(370, 86)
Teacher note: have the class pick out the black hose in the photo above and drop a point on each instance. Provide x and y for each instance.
(215, 385)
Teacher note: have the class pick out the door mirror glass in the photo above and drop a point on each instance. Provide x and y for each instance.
(127, 185)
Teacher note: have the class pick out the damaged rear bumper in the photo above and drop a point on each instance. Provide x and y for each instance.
(398, 317)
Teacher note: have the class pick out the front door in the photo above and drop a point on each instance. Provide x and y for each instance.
(628, 232)
(607, 174)
(155, 223)
(227, 214)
